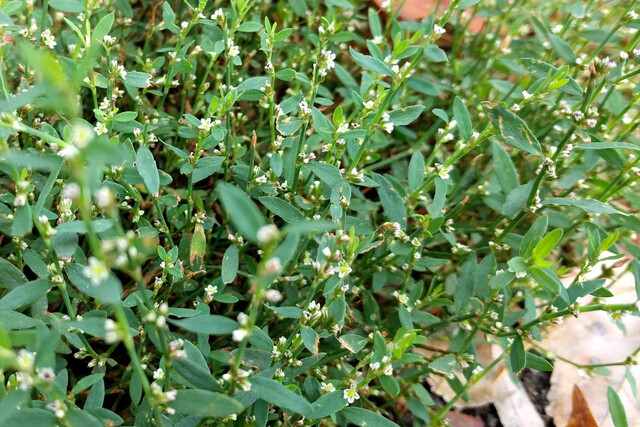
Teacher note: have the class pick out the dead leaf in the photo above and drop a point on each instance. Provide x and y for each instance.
(581, 415)
(458, 419)
(594, 339)
(497, 387)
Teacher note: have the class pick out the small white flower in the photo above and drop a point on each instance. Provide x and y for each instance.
(158, 374)
(343, 127)
(211, 290)
(232, 49)
(206, 124)
(304, 107)
(327, 387)
(343, 269)
(96, 271)
(46, 375)
(48, 39)
(273, 295)
(100, 128)
(25, 360)
(526, 95)
(81, 134)
(438, 30)
(267, 233)
(104, 197)
(374, 366)
(239, 335)
(273, 265)
(351, 395)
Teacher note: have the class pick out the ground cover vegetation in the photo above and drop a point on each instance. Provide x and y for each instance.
(257, 213)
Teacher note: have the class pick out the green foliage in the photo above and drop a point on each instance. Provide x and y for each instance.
(234, 213)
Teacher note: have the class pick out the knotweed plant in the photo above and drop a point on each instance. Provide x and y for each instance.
(257, 213)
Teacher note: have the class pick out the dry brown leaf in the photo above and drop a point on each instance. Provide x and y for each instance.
(581, 415)
(457, 419)
(593, 339)
(497, 386)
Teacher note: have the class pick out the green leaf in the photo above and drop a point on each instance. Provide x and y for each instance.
(310, 338)
(22, 222)
(439, 198)
(11, 275)
(352, 342)
(540, 70)
(435, 54)
(538, 363)
(416, 171)
(204, 403)
(374, 22)
(547, 279)
(327, 405)
(608, 145)
(462, 117)
(168, 16)
(282, 208)
(616, 408)
(546, 245)
(533, 236)
(32, 417)
(279, 395)
(466, 286)
(196, 374)
(288, 125)
(208, 324)
(107, 291)
(443, 364)
(467, 3)
(103, 27)
(392, 203)
(126, 116)
(390, 385)
(364, 418)
(588, 205)
(422, 86)
(504, 169)
(25, 294)
(562, 48)
(69, 6)
(205, 167)
(244, 214)
(321, 122)
(138, 79)
(404, 116)
(327, 173)
(250, 27)
(146, 165)
(514, 131)
(230, 264)
(517, 355)
(286, 75)
(501, 280)
(636, 275)
(86, 382)
(370, 63)
(517, 199)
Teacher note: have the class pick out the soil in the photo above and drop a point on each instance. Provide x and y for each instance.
(536, 384)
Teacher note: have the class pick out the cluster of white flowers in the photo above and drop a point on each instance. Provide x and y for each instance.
(327, 63)
(232, 49)
(48, 39)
